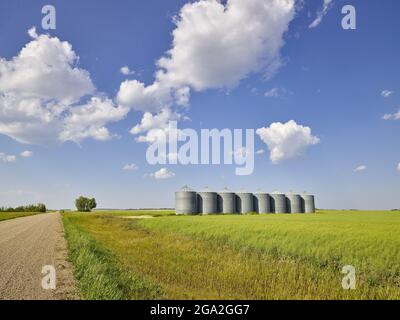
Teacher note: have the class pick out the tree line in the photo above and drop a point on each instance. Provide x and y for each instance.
(40, 207)
(82, 204)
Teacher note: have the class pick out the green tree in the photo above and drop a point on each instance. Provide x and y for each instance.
(85, 204)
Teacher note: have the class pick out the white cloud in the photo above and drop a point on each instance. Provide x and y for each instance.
(182, 96)
(130, 167)
(126, 71)
(46, 69)
(286, 140)
(360, 168)
(32, 33)
(41, 93)
(163, 173)
(276, 92)
(260, 151)
(7, 158)
(396, 116)
(136, 95)
(398, 167)
(386, 93)
(391, 116)
(150, 121)
(89, 120)
(215, 45)
(155, 127)
(26, 154)
(321, 13)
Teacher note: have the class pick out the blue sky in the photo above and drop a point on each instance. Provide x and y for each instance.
(331, 80)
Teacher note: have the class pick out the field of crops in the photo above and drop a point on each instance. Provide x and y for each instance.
(118, 255)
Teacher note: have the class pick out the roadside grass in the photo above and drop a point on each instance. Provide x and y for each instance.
(243, 257)
(13, 215)
(97, 271)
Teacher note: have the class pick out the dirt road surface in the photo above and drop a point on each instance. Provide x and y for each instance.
(27, 245)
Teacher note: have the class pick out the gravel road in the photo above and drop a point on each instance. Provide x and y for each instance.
(26, 245)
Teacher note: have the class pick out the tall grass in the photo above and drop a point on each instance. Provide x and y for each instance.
(97, 270)
(13, 215)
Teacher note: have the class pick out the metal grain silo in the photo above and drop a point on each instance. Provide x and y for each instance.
(278, 203)
(186, 201)
(207, 202)
(308, 203)
(262, 202)
(226, 202)
(244, 202)
(294, 203)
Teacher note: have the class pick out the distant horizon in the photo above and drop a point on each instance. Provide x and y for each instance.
(149, 209)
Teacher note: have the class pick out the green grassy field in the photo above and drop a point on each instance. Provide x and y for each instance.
(13, 215)
(273, 256)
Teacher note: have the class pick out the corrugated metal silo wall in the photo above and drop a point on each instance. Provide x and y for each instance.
(262, 203)
(308, 203)
(294, 203)
(226, 202)
(207, 202)
(278, 203)
(244, 202)
(186, 202)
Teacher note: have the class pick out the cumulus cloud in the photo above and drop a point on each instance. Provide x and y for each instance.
(392, 116)
(386, 93)
(163, 173)
(26, 154)
(126, 71)
(7, 158)
(153, 98)
(360, 168)
(130, 167)
(321, 13)
(155, 127)
(286, 140)
(215, 45)
(41, 93)
(89, 120)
